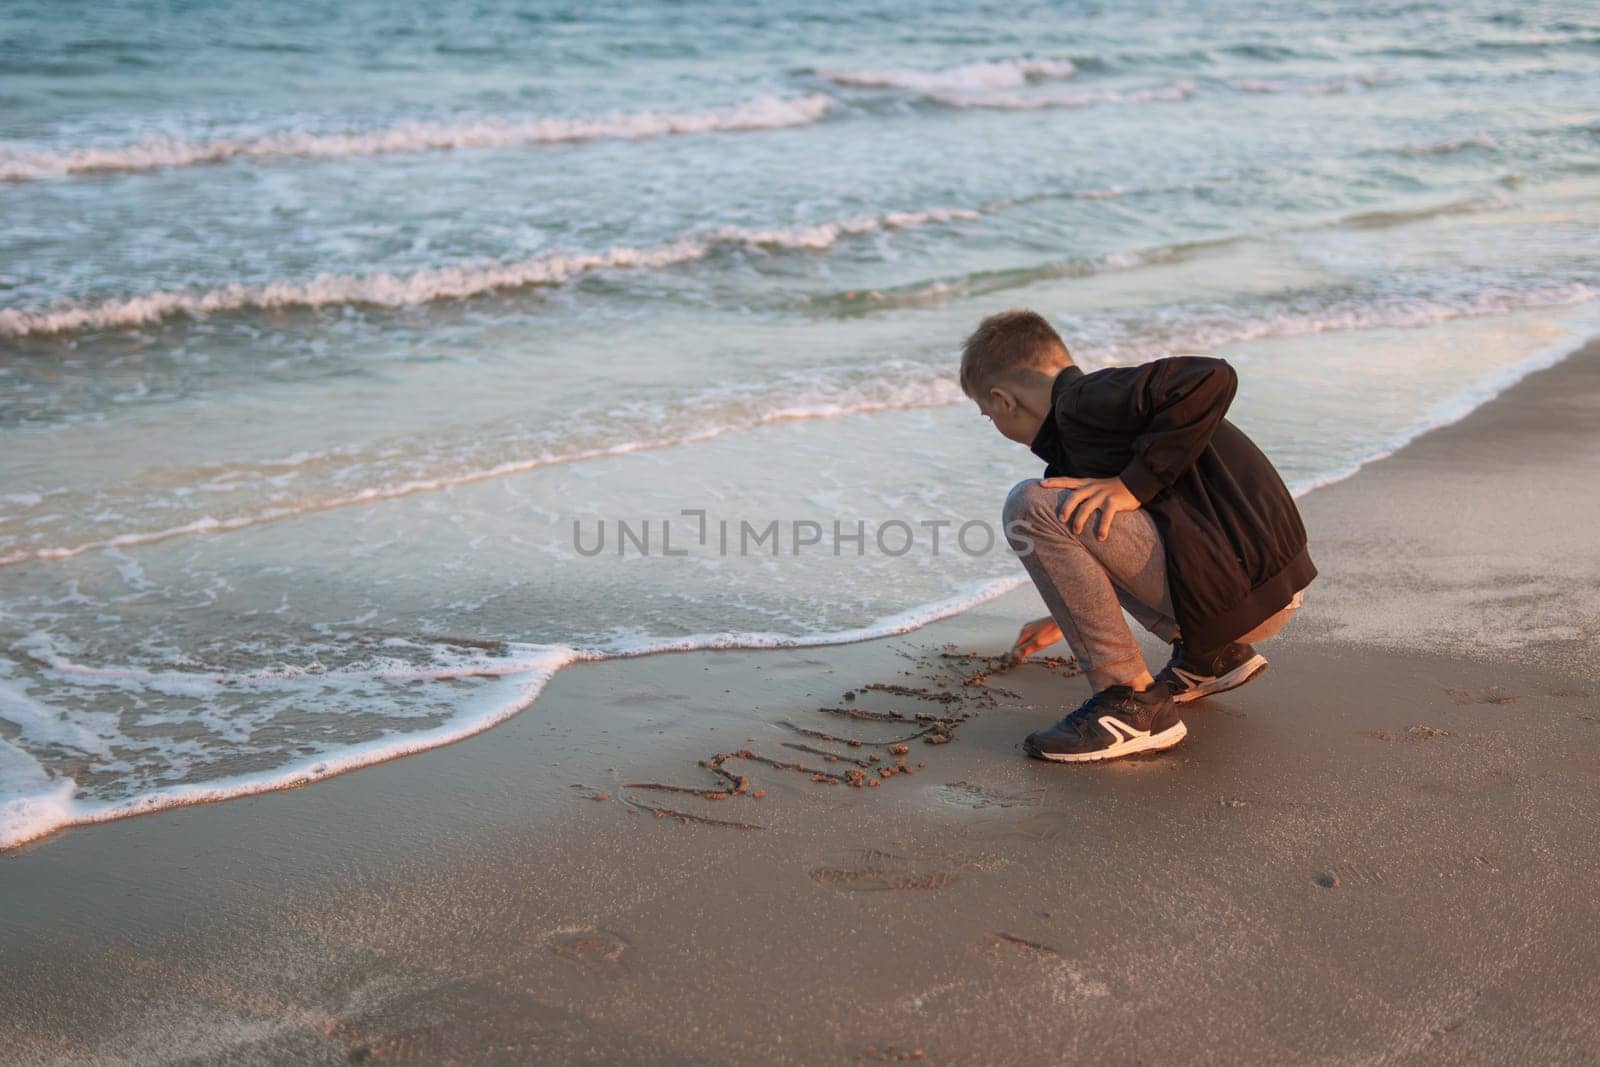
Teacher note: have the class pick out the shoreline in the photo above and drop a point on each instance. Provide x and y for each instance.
(42, 816)
(1361, 856)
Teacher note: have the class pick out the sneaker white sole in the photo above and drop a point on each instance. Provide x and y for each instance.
(1241, 674)
(1131, 746)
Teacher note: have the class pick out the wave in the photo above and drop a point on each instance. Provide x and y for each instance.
(1453, 410)
(980, 283)
(446, 283)
(763, 113)
(1449, 147)
(1211, 330)
(1000, 74)
(51, 805)
(1373, 220)
(1537, 43)
(891, 390)
(1152, 334)
(1273, 53)
(1172, 93)
(1348, 83)
(827, 234)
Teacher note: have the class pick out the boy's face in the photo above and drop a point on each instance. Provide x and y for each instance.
(1014, 421)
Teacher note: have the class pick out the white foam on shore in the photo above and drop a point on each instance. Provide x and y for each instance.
(47, 805)
(999, 74)
(1173, 93)
(1578, 333)
(445, 283)
(913, 618)
(763, 113)
(30, 815)
(1400, 312)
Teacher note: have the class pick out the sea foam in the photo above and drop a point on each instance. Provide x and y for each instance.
(1329, 86)
(999, 74)
(763, 113)
(36, 804)
(445, 283)
(40, 805)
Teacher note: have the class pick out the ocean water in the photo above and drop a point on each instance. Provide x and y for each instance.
(333, 340)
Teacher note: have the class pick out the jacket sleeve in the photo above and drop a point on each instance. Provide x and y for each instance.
(1171, 407)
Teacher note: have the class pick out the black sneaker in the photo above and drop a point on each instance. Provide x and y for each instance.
(1189, 677)
(1114, 722)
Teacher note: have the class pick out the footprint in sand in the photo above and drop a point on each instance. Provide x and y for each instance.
(1349, 874)
(799, 664)
(1492, 695)
(889, 1054)
(872, 870)
(593, 947)
(1419, 732)
(1066, 980)
(977, 797)
(645, 698)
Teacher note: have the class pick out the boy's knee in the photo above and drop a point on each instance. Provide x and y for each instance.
(1030, 510)
(1029, 500)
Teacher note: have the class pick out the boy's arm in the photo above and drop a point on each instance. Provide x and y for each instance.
(1172, 406)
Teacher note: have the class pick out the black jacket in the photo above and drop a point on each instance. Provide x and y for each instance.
(1235, 545)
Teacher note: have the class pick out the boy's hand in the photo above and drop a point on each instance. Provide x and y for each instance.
(1108, 496)
(1034, 637)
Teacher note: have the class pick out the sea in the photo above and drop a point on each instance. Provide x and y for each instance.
(363, 365)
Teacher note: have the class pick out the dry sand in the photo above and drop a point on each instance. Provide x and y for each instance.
(1382, 850)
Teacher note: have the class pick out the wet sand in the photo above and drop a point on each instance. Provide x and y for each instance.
(1382, 850)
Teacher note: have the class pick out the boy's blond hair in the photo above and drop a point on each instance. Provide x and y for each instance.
(1008, 342)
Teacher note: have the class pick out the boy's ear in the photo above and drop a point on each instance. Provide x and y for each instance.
(1002, 399)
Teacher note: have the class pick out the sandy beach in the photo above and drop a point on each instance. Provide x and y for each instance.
(500, 561)
(1383, 850)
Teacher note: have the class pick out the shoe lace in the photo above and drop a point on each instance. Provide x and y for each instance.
(1084, 720)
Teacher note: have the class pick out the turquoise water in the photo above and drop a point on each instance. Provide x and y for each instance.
(320, 329)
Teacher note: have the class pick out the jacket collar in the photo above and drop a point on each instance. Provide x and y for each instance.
(1047, 442)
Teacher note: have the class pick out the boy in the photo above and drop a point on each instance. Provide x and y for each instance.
(1151, 501)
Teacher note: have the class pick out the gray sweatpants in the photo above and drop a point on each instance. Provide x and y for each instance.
(1087, 583)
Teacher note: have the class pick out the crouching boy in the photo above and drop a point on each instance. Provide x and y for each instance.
(1151, 501)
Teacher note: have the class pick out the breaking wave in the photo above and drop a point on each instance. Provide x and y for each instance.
(764, 113)
(1000, 74)
(445, 283)
(1370, 220)
(1346, 83)
(1480, 139)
